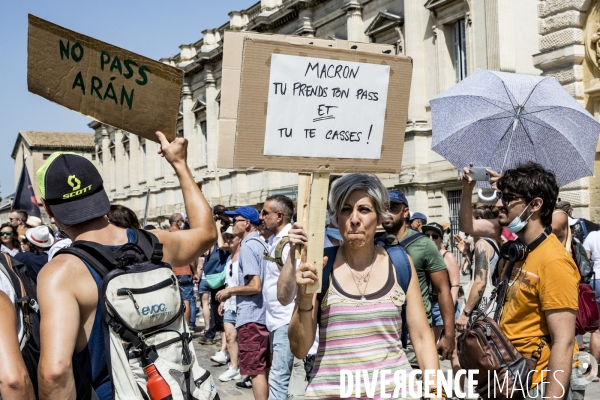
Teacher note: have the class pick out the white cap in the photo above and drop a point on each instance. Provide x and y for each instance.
(229, 230)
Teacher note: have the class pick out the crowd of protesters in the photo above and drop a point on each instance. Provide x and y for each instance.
(389, 300)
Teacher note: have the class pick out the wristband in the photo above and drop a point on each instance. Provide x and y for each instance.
(310, 309)
(467, 313)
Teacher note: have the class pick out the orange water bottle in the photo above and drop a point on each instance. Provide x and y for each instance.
(158, 388)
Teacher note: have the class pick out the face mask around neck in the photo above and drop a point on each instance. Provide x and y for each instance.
(517, 224)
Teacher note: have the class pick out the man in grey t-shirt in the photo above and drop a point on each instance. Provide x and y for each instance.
(253, 336)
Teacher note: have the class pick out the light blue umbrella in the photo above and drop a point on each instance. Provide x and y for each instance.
(499, 120)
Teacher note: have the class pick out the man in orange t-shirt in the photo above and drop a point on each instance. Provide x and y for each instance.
(542, 300)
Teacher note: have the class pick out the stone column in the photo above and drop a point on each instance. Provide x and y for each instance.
(151, 160)
(354, 23)
(188, 127)
(212, 119)
(414, 32)
(305, 27)
(106, 175)
(119, 164)
(134, 162)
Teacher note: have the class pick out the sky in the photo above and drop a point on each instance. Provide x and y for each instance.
(153, 28)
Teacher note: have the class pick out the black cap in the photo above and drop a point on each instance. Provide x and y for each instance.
(73, 188)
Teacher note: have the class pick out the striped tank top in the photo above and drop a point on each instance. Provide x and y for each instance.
(359, 334)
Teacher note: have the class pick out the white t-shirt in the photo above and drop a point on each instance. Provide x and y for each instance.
(231, 280)
(9, 251)
(57, 246)
(277, 315)
(6, 287)
(592, 244)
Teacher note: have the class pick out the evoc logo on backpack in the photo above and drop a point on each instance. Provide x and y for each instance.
(156, 309)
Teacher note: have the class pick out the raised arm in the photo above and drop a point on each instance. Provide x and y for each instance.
(303, 326)
(221, 243)
(14, 379)
(183, 247)
(286, 284)
(466, 223)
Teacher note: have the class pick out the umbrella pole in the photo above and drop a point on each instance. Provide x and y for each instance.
(508, 148)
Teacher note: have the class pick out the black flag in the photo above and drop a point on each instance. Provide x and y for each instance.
(24, 195)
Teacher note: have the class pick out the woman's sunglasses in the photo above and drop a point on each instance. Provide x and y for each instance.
(433, 236)
(5, 233)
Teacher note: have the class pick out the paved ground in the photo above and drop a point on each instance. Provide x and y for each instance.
(228, 390)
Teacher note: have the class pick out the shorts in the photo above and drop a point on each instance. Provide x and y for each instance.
(595, 284)
(203, 287)
(229, 317)
(254, 356)
(186, 287)
(436, 315)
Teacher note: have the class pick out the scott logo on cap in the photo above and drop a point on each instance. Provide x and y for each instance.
(75, 184)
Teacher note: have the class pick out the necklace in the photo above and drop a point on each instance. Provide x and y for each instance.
(364, 278)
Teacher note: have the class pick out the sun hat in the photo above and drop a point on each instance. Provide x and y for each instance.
(40, 236)
(73, 188)
(33, 221)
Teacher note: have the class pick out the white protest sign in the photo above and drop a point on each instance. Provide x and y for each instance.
(325, 108)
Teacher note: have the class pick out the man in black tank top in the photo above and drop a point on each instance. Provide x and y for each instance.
(72, 192)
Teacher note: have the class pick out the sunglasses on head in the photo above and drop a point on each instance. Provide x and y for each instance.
(433, 236)
(507, 198)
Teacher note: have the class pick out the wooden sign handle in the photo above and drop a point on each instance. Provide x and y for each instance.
(302, 206)
(316, 225)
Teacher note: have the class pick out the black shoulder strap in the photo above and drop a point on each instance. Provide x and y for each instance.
(95, 254)
(502, 290)
(411, 239)
(330, 253)
(492, 243)
(150, 245)
(14, 279)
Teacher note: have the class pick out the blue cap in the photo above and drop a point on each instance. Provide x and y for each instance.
(418, 215)
(247, 212)
(397, 196)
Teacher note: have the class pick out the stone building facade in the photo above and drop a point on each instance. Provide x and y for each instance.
(35, 147)
(447, 40)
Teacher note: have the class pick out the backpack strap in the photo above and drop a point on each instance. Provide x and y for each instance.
(95, 254)
(583, 227)
(492, 243)
(330, 253)
(403, 270)
(21, 298)
(148, 242)
(259, 241)
(277, 259)
(401, 265)
(411, 239)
